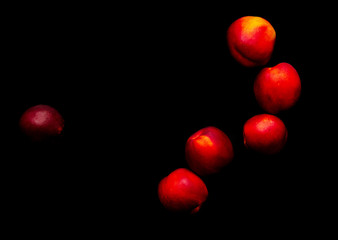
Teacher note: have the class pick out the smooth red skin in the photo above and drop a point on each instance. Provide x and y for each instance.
(182, 191)
(250, 51)
(41, 122)
(265, 133)
(206, 159)
(277, 88)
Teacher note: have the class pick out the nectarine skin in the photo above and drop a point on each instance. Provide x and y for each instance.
(251, 40)
(265, 133)
(41, 122)
(277, 88)
(208, 150)
(182, 191)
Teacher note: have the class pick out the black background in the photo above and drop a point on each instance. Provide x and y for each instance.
(133, 83)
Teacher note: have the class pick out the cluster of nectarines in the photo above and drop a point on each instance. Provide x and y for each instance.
(207, 152)
(251, 42)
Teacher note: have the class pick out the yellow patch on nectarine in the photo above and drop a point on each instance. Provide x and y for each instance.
(204, 141)
(251, 24)
(265, 124)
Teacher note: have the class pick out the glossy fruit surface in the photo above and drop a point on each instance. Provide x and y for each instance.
(251, 40)
(277, 88)
(265, 133)
(182, 191)
(208, 150)
(41, 122)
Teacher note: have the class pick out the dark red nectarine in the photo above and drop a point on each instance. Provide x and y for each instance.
(182, 191)
(41, 122)
(208, 150)
(265, 133)
(277, 88)
(251, 40)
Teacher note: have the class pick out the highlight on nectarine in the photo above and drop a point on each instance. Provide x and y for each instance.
(251, 40)
(182, 191)
(208, 150)
(265, 133)
(41, 122)
(277, 88)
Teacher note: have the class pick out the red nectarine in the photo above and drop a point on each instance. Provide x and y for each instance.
(182, 191)
(251, 40)
(265, 133)
(208, 150)
(41, 122)
(277, 88)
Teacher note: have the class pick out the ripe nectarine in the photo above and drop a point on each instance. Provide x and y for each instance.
(251, 40)
(208, 150)
(265, 133)
(277, 88)
(182, 191)
(41, 122)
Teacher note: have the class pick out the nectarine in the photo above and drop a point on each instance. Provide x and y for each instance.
(41, 122)
(208, 150)
(265, 133)
(277, 88)
(182, 191)
(251, 40)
